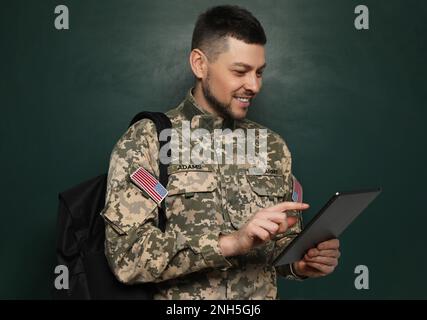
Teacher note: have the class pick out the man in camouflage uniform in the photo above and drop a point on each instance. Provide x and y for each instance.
(226, 222)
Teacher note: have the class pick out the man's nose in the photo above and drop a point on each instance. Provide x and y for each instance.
(253, 83)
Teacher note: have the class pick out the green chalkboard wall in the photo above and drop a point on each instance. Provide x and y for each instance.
(351, 105)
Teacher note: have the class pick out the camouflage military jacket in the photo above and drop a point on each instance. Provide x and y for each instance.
(203, 201)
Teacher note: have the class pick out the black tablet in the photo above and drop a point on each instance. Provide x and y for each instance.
(329, 223)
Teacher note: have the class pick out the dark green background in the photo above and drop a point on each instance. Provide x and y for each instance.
(350, 104)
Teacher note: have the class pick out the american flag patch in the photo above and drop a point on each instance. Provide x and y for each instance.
(145, 181)
(297, 191)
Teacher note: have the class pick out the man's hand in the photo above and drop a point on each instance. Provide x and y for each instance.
(319, 261)
(260, 228)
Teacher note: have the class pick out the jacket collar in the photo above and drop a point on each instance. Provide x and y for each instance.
(202, 119)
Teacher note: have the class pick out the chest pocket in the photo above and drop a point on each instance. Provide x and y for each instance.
(269, 189)
(257, 191)
(191, 204)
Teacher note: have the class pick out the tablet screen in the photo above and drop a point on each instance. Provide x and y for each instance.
(335, 216)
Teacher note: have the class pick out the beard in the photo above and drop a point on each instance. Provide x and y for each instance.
(224, 110)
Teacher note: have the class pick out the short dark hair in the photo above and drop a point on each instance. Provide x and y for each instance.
(216, 24)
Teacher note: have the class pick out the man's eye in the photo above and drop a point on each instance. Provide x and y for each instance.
(259, 74)
(239, 73)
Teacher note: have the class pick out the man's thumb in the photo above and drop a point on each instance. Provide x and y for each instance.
(291, 221)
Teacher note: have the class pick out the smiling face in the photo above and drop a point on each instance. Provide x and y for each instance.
(228, 84)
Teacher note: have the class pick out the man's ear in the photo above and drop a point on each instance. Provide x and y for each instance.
(199, 63)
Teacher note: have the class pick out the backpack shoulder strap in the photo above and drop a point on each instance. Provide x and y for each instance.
(162, 122)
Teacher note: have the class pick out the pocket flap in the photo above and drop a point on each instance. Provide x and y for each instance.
(191, 181)
(267, 185)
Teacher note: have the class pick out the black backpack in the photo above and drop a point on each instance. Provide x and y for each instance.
(81, 235)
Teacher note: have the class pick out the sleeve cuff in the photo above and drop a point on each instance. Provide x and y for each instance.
(288, 272)
(292, 272)
(207, 245)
